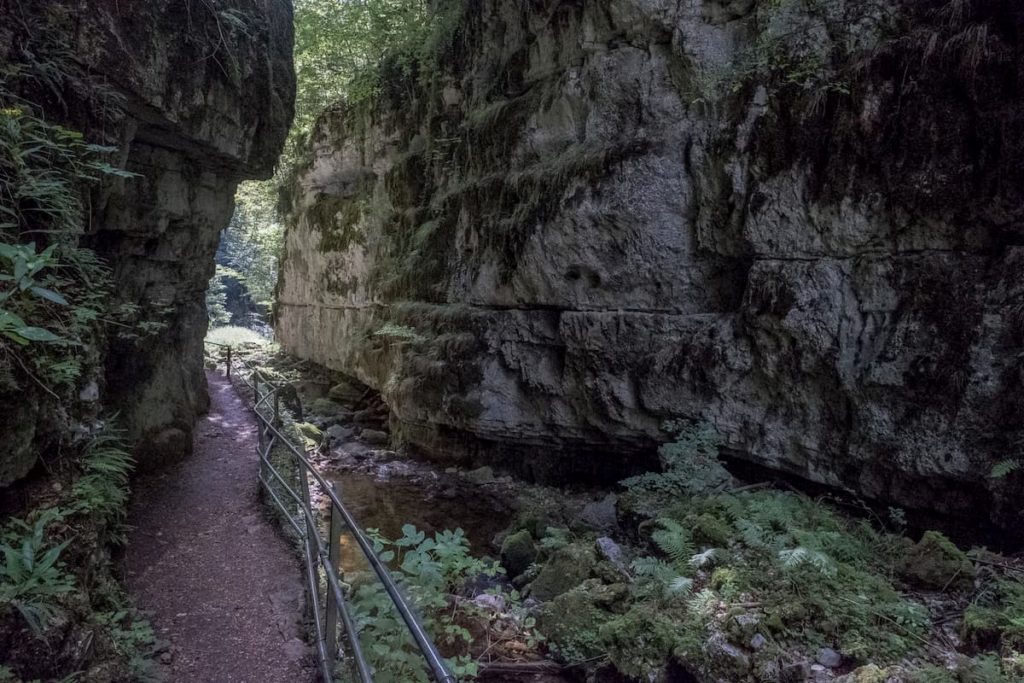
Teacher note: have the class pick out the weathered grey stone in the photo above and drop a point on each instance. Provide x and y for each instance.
(611, 551)
(374, 437)
(725, 658)
(18, 452)
(193, 107)
(348, 394)
(600, 515)
(834, 288)
(828, 657)
(481, 475)
(340, 433)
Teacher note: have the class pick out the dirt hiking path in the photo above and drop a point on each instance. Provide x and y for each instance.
(222, 586)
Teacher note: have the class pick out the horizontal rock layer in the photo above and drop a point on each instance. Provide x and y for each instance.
(798, 222)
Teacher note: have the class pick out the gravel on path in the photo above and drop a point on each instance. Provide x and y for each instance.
(219, 581)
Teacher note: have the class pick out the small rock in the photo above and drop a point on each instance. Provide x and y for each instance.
(488, 601)
(601, 515)
(90, 393)
(165, 658)
(374, 436)
(726, 657)
(829, 657)
(481, 475)
(743, 626)
(365, 416)
(758, 642)
(797, 672)
(768, 671)
(347, 393)
(611, 551)
(451, 470)
(340, 433)
(480, 584)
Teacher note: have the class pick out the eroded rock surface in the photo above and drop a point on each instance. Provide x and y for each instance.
(196, 96)
(801, 226)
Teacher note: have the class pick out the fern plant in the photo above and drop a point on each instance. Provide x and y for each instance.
(102, 491)
(1004, 468)
(32, 577)
(690, 466)
(555, 538)
(674, 540)
(800, 557)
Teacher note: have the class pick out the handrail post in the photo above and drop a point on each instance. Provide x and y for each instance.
(228, 370)
(277, 408)
(311, 556)
(334, 554)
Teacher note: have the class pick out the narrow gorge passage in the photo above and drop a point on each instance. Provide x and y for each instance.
(223, 587)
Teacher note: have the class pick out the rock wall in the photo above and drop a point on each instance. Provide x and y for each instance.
(196, 96)
(800, 222)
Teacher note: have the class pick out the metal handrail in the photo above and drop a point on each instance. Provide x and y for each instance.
(317, 553)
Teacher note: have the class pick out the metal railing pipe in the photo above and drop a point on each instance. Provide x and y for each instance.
(319, 555)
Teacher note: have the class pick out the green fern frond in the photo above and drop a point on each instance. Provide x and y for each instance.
(1004, 468)
(707, 558)
(800, 557)
(679, 585)
(555, 538)
(674, 540)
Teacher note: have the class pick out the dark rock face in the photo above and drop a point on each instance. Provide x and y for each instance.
(802, 226)
(201, 97)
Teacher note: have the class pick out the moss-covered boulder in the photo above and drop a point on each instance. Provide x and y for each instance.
(567, 568)
(325, 407)
(518, 552)
(347, 393)
(869, 673)
(996, 619)
(311, 435)
(572, 621)
(640, 642)
(936, 562)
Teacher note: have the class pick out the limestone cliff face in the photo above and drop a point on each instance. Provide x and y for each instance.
(798, 222)
(196, 96)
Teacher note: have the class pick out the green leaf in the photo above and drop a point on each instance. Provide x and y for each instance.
(50, 295)
(10, 321)
(15, 337)
(37, 334)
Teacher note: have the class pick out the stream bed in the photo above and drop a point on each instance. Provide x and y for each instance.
(385, 494)
(385, 491)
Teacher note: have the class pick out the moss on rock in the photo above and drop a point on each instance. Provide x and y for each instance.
(936, 562)
(518, 552)
(572, 622)
(567, 568)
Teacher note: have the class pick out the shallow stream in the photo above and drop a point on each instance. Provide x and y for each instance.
(385, 494)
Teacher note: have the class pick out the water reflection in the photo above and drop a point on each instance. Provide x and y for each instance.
(396, 493)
